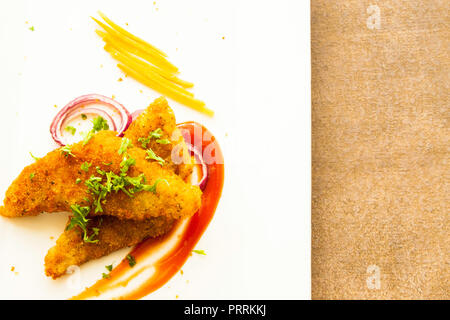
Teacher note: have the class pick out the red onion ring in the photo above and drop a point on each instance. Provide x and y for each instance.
(113, 110)
(196, 151)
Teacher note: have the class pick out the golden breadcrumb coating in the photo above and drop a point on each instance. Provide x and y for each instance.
(53, 186)
(160, 115)
(114, 234)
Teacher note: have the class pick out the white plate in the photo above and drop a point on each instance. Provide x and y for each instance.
(249, 61)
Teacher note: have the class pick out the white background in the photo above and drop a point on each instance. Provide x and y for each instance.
(257, 80)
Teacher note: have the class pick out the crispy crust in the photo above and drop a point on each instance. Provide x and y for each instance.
(125, 221)
(114, 234)
(160, 115)
(53, 186)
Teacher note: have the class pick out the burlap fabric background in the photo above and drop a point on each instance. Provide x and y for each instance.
(380, 148)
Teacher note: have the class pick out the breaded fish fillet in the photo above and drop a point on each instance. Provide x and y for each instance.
(114, 234)
(50, 185)
(160, 115)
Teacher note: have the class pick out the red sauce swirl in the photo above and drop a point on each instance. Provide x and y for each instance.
(172, 261)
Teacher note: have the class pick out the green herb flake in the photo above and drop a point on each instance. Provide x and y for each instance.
(100, 124)
(126, 143)
(90, 239)
(109, 268)
(126, 164)
(35, 158)
(131, 260)
(144, 142)
(80, 219)
(32, 176)
(163, 141)
(85, 166)
(71, 129)
(66, 151)
(152, 188)
(106, 276)
(151, 155)
(100, 171)
(31, 28)
(83, 116)
(202, 252)
(98, 190)
(78, 181)
(156, 134)
(87, 137)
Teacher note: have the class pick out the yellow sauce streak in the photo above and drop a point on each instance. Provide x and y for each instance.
(147, 64)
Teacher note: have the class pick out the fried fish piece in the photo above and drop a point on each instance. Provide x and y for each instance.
(114, 234)
(160, 116)
(50, 185)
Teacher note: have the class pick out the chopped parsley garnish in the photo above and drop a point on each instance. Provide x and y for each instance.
(66, 151)
(100, 171)
(126, 164)
(138, 184)
(129, 185)
(151, 155)
(126, 143)
(92, 236)
(83, 116)
(92, 180)
(87, 137)
(78, 181)
(100, 124)
(107, 164)
(199, 252)
(156, 134)
(32, 176)
(80, 219)
(144, 142)
(35, 158)
(107, 275)
(152, 188)
(100, 186)
(131, 260)
(163, 141)
(85, 166)
(97, 189)
(31, 28)
(71, 129)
